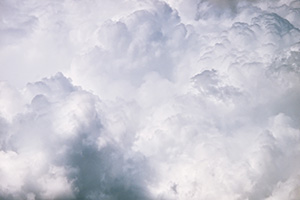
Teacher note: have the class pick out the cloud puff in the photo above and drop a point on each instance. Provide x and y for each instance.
(59, 148)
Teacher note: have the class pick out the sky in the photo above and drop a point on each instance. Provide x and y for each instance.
(150, 99)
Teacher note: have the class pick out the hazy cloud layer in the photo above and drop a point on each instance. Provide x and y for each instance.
(194, 99)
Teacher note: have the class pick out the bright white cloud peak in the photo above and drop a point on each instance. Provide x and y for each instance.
(170, 100)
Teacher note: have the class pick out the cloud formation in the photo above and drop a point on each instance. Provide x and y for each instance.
(58, 148)
(149, 99)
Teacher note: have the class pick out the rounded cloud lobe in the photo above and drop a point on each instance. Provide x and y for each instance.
(58, 148)
(164, 100)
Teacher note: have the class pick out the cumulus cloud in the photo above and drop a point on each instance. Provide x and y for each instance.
(59, 148)
(149, 99)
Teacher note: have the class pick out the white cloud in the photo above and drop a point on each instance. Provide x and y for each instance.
(164, 100)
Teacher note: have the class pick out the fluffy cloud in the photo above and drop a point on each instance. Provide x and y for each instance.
(59, 147)
(164, 100)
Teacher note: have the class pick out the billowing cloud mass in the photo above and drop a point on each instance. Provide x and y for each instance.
(150, 99)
